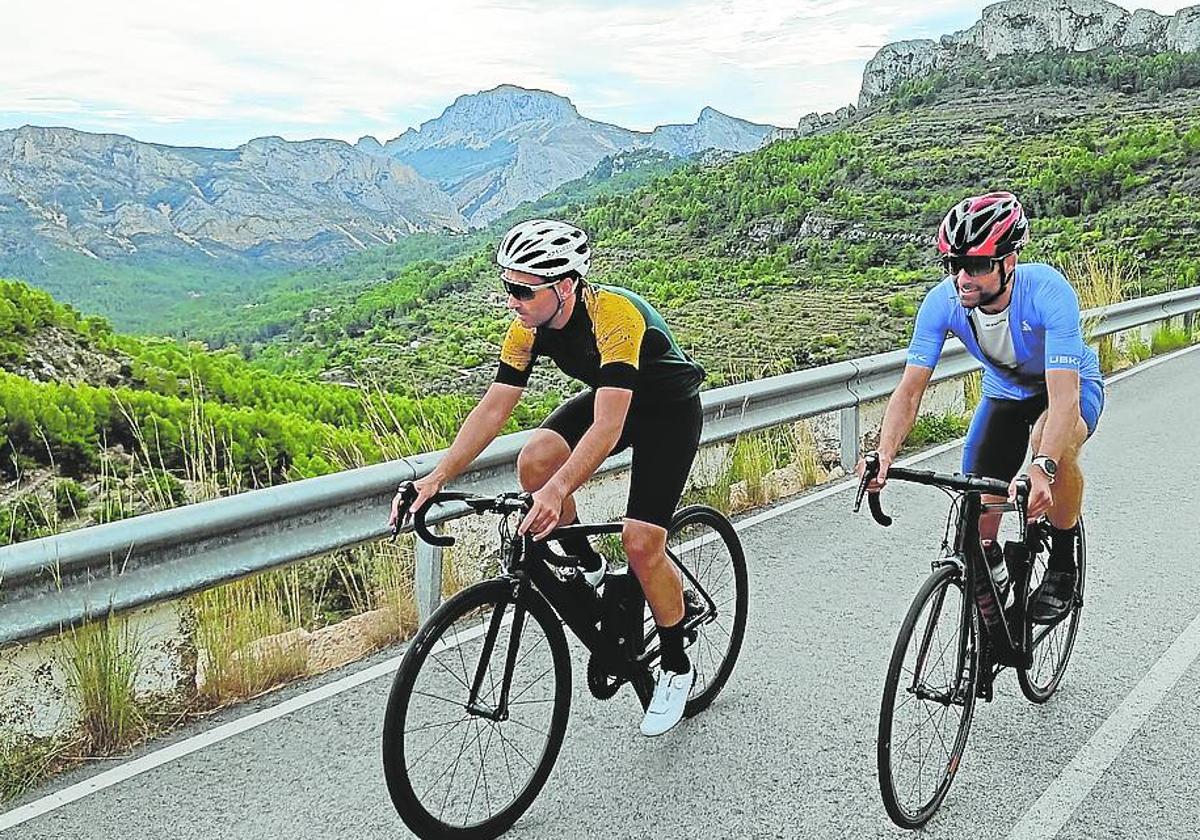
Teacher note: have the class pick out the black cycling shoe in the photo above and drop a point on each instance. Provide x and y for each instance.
(1053, 597)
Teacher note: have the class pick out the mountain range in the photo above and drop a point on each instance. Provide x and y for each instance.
(70, 198)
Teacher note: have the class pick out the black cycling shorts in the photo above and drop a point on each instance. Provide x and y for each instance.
(999, 435)
(664, 439)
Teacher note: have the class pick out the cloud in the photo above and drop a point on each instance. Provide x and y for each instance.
(308, 68)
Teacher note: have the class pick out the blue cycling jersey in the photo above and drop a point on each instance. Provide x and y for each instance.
(1044, 323)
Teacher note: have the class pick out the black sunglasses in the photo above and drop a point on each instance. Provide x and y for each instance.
(521, 291)
(974, 266)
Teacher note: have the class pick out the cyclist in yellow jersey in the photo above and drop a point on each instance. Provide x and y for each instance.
(643, 394)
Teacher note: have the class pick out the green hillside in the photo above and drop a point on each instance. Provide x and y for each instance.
(813, 249)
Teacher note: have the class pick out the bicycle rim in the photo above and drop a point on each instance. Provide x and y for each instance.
(1051, 644)
(456, 772)
(706, 547)
(928, 699)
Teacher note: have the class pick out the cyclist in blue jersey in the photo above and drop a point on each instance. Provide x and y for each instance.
(1041, 382)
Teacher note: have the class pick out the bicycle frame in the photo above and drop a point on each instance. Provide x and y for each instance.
(528, 563)
(1008, 649)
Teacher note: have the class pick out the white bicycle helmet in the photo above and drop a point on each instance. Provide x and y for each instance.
(546, 248)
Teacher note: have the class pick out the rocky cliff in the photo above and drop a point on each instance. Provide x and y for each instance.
(1032, 26)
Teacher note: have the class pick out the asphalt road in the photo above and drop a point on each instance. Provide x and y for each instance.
(788, 750)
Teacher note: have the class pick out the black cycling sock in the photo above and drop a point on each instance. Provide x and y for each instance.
(1062, 548)
(671, 641)
(577, 545)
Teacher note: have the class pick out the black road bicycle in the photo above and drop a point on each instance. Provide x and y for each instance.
(956, 638)
(479, 706)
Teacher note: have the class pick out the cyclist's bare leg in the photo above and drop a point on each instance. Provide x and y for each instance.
(1068, 484)
(646, 547)
(989, 523)
(540, 459)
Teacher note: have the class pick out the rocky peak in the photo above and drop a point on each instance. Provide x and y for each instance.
(1032, 26)
(475, 120)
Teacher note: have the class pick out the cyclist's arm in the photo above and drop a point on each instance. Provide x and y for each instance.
(611, 408)
(1062, 416)
(1059, 308)
(902, 408)
(478, 430)
(924, 350)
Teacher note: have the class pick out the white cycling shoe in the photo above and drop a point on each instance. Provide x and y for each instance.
(670, 696)
(595, 578)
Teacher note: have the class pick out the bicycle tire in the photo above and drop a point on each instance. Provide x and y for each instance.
(1050, 646)
(720, 570)
(962, 677)
(437, 671)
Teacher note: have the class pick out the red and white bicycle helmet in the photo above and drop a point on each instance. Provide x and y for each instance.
(991, 225)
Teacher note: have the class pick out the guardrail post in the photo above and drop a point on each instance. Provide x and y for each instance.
(427, 577)
(1189, 320)
(851, 437)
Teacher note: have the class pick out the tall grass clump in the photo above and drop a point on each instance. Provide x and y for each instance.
(102, 660)
(1166, 339)
(240, 637)
(1102, 279)
(973, 390)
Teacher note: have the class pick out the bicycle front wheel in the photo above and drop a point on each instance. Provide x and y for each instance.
(1050, 645)
(477, 713)
(706, 547)
(928, 699)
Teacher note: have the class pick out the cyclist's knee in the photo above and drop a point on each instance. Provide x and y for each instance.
(644, 543)
(540, 458)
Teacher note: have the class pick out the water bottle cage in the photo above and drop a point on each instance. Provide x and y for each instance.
(987, 600)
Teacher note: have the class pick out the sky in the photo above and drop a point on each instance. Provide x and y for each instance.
(220, 72)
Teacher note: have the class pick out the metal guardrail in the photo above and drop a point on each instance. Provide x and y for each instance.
(58, 581)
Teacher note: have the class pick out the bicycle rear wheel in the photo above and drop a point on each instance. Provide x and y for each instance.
(463, 758)
(707, 549)
(1050, 645)
(928, 699)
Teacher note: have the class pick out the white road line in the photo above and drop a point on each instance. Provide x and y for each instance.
(188, 746)
(1059, 802)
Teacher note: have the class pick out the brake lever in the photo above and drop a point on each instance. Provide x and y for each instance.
(1023, 489)
(408, 493)
(870, 470)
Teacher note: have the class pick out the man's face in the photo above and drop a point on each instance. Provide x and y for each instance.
(535, 310)
(977, 281)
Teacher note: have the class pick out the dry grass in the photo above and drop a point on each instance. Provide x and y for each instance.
(232, 622)
(1102, 280)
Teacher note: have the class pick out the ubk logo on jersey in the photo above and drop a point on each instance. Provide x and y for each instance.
(1025, 327)
(1065, 360)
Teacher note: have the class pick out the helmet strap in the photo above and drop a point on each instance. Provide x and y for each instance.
(562, 301)
(1005, 276)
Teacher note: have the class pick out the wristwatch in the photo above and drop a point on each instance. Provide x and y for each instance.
(1047, 465)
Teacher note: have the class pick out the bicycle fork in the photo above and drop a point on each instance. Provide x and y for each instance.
(474, 705)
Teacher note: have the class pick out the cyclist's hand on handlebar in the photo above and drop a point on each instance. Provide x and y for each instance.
(544, 513)
(426, 488)
(877, 483)
(1040, 495)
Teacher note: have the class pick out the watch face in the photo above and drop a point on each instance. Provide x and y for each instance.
(1048, 466)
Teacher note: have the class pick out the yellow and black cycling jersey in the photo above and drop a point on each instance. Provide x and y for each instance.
(615, 339)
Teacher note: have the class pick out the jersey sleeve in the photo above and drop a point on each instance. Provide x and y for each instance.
(620, 330)
(929, 334)
(516, 356)
(1059, 310)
